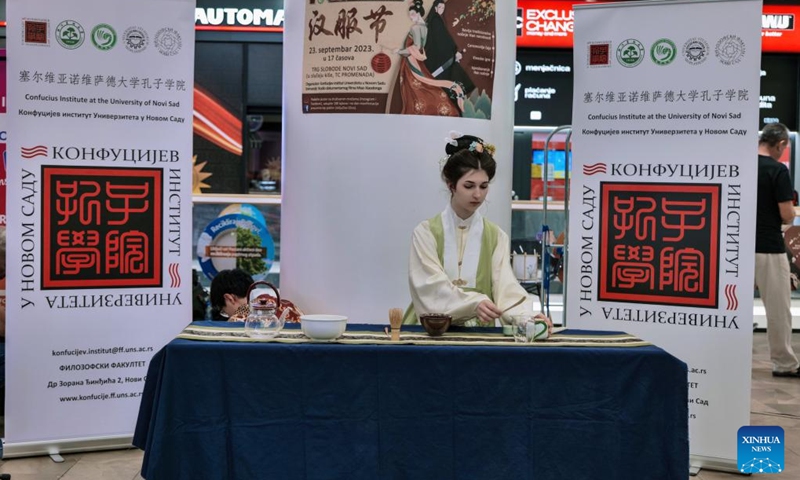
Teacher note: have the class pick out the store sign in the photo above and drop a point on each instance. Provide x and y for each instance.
(778, 93)
(543, 88)
(778, 32)
(550, 24)
(545, 24)
(240, 15)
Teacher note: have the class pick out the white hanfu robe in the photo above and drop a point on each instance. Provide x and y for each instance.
(431, 280)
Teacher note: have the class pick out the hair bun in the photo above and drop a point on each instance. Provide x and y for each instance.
(462, 142)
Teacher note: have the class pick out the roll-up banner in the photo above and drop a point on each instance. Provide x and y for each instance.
(665, 122)
(99, 208)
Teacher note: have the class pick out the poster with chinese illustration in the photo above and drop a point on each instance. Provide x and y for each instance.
(99, 164)
(409, 57)
(665, 136)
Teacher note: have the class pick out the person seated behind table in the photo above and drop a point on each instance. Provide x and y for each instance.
(459, 263)
(228, 295)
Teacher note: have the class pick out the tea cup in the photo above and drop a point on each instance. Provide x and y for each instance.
(435, 323)
(529, 328)
(536, 330)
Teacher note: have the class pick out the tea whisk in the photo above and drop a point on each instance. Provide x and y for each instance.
(396, 320)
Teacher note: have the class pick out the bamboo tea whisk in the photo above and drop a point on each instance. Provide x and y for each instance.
(396, 320)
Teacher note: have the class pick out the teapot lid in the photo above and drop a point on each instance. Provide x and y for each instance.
(263, 303)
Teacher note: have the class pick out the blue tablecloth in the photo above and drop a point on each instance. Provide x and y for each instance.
(228, 410)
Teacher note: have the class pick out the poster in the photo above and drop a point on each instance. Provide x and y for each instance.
(99, 209)
(665, 135)
(237, 238)
(423, 57)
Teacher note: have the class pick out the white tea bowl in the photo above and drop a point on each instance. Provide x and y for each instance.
(323, 327)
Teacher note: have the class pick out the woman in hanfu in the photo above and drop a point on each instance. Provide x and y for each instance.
(459, 263)
(443, 58)
(419, 92)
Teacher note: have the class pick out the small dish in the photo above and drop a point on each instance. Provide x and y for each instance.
(435, 323)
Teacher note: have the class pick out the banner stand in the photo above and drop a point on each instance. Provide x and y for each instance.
(99, 164)
(665, 139)
(56, 448)
(700, 462)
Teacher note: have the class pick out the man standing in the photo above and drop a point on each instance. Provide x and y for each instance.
(774, 208)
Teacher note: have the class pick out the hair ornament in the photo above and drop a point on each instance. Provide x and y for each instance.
(476, 147)
(490, 148)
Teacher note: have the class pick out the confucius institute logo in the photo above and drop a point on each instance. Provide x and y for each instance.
(663, 51)
(70, 34)
(630, 53)
(104, 37)
(695, 51)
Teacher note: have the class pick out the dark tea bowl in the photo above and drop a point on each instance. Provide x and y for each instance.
(435, 323)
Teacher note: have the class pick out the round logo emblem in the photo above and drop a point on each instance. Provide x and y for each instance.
(729, 50)
(695, 51)
(236, 240)
(70, 34)
(517, 68)
(135, 39)
(630, 53)
(104, 37)
(663, 51)
(168, 41)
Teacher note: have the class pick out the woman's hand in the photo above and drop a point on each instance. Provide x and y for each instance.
(542, 316)
(487, 312)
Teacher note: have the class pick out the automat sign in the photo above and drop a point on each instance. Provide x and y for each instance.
(249, 15)
(238, 17)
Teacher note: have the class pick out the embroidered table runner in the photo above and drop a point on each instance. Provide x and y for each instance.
(365, 337)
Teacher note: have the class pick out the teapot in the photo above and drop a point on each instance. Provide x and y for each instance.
(262, 322)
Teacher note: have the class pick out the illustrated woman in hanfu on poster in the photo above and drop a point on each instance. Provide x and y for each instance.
(443, 57)
(419, 92)
(447, 58)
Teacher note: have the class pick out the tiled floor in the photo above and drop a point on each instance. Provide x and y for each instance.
(775, 401)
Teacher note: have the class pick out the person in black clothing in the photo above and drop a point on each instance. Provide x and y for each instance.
(773, 209)
(199, 298)
(442, 52)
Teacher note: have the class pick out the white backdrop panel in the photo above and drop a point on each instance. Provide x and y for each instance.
(356, 185)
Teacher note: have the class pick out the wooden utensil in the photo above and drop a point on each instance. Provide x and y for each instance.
(519, 302)
(396, 320)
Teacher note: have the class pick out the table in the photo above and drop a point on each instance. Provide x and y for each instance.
(241, 410)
